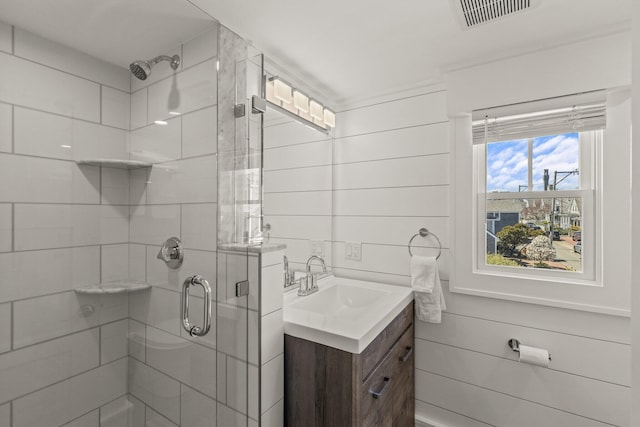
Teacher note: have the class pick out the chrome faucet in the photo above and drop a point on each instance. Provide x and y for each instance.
(287, 273)
(310, 283)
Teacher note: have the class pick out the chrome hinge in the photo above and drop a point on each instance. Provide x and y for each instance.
(258, 105)
(239, 111)
(242, 288)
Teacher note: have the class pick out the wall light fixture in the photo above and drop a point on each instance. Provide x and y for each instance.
(297, 103)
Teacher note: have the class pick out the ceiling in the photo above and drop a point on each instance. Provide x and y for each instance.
(346, 50)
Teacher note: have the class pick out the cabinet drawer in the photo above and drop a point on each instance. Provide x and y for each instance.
(380, 346)
(376, 397)
(403, 387)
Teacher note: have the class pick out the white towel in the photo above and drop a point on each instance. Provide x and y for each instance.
(425, 282)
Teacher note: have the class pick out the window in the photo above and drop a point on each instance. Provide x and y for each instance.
(539, 167)
(535, 201)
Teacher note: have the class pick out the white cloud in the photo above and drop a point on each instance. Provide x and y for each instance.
(507, 163)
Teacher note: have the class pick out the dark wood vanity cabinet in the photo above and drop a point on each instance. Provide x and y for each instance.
(327, 387)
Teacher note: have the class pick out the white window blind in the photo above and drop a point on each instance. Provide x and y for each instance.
(553, 116)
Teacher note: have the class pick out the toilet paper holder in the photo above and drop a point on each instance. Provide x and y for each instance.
(514, 345)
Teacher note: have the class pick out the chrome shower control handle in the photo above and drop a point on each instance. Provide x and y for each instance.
(171, 252)
(193, 330)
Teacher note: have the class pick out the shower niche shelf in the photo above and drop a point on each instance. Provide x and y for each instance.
(121, 287)
(115, 163)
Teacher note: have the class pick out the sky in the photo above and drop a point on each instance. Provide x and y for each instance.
(507, 162)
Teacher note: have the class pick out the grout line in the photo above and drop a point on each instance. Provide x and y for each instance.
(86, 79)
(61, 248)
(100, 345)
(12, 323)
(80, 119)
(271, 407)
(13, 40)
(74, 204)
(67, 378)
(13, 227)
(13, 129)
(100, 99)
(67, 335)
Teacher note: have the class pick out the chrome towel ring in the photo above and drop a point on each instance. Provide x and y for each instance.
(423, 232)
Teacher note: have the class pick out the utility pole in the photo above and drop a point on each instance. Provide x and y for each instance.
(566, 174)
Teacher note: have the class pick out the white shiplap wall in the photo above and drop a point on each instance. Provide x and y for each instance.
(391, 177)
(297, 187)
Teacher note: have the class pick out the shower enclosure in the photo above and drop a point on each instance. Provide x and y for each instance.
(99, 168)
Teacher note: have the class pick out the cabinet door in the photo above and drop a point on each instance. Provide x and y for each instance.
(403, 389)
(376, 405)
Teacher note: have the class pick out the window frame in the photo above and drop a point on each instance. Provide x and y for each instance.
(608, 293)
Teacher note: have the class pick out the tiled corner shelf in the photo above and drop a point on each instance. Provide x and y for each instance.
(122, 287)
(115, 163)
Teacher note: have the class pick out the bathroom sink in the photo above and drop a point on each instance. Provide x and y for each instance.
(345, 314)
(340, 300)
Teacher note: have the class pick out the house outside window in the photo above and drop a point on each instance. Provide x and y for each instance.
(532, 183)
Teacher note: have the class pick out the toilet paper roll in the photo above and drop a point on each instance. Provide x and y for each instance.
(534, 356)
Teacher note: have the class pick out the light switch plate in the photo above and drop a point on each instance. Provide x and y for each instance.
(353, 251)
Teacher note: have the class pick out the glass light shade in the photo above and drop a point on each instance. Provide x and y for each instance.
(300, 101)
(270, 92)
(282, 91)
(315, 110)
(329, 118)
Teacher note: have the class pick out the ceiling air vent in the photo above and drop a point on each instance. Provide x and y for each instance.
(475, 12)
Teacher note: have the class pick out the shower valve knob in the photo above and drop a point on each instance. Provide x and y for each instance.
(172, 253)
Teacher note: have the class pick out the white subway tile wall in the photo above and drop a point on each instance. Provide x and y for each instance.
(116, 108)
(82, 360)
(66, 138)
(171, 374)
(82, 393)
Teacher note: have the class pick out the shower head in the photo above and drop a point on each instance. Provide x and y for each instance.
(142, 68)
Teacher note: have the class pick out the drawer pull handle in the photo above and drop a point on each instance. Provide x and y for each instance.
(378, 394)
(407, 354)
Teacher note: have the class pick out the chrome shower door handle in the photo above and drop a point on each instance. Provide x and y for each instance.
(196, 331)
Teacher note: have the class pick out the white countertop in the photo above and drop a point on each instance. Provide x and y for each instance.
(345, 314)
